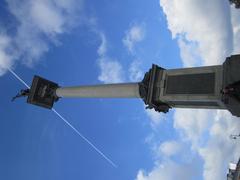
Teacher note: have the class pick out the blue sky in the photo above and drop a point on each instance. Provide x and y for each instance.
(76, 42)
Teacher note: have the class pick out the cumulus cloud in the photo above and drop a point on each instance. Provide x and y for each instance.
(135, 72)
(189, 53)
(193, 123)
(169, 170)
(110, 70)
(217, 151)
(38, 23)
(154, 116)
(5, 58)
(209, 132)
(134, 35)
(102, 49)
(235, 14)
(207, 32)
(169, 148)
(220, 150)
(206, 22)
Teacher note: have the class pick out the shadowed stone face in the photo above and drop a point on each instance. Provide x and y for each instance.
(191, 84)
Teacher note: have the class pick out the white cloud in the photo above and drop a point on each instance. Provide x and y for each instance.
(208, 132)
(235, 14)
(54, 24)
(207, 32)
(38, 23)
(169, 148)
(193, 123)
(102, 49)
(154, 116)
(134, 35)
(189, 53)
(5, 58)
(169, 170)
(135, 72)
(110, 70)
(206, 22)
(220, 149)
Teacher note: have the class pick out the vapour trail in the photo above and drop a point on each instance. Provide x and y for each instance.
(20, 79)
(70, 125)
(85, 139)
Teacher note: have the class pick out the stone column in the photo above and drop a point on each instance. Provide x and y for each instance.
(122, 90)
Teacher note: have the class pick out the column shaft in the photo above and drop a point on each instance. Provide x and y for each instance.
(122, 90)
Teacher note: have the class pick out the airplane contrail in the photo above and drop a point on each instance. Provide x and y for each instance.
(20, 79)
(70, 125)
(85, 139)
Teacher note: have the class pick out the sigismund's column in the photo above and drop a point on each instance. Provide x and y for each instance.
(209, 87)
